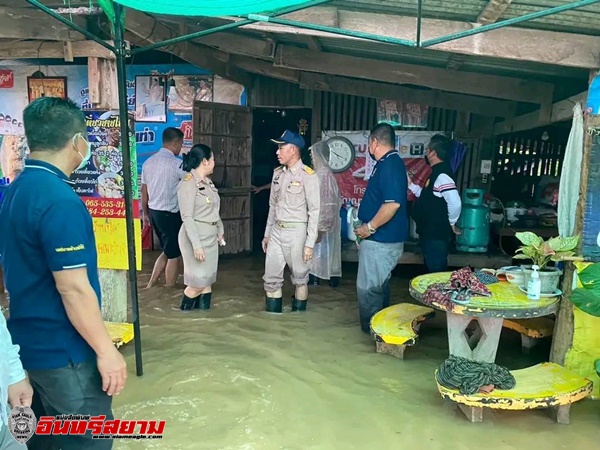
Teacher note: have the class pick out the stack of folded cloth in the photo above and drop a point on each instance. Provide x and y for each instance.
(462, 286)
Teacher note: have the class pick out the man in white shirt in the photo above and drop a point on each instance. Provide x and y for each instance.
(161, 175)
(14, 386)
(438, 206)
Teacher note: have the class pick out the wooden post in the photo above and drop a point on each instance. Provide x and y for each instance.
(564, 328)
(102, 81)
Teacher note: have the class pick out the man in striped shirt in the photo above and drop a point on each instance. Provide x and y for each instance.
(438, 206)
(161, 175)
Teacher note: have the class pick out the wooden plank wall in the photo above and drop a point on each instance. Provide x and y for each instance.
(522, 160)
(278, 93)
(342, 112)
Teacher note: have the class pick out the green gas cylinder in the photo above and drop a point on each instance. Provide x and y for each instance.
(474, 223)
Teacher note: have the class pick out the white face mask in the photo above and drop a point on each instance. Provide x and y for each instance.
(86, 158)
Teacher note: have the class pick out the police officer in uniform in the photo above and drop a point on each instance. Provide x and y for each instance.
(291, 229)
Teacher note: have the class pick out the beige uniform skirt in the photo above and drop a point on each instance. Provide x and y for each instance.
(198, 274)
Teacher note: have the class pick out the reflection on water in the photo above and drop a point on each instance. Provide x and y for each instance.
(236, 378)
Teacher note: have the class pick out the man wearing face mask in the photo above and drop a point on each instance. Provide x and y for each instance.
(384, 226)
(438, 206)
(51, 272)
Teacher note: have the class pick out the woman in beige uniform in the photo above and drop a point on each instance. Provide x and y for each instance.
(202, 230)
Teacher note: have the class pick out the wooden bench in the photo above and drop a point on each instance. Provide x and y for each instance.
(532, 330)
(396, 327)
(546, 385)
(120, 333)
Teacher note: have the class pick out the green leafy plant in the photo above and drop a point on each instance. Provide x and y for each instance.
(542, 252)
(587, 298)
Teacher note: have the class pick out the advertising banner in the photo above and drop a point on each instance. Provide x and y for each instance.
(410, 144)
(100, 184)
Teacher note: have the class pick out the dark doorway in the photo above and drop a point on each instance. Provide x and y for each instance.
(270, 123)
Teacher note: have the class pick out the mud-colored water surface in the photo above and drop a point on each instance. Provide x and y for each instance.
(236, 378)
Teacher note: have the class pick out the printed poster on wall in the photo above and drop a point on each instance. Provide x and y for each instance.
(410, 144)
(100, 184)
(400, 114)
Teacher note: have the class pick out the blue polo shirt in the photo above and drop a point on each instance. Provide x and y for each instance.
(388, 183)
(44, 228)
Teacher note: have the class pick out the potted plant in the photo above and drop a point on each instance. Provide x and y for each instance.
(542, 253)
(587, 298)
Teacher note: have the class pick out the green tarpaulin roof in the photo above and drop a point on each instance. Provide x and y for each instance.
(211, 8)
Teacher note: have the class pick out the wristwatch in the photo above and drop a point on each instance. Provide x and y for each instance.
(371, 229)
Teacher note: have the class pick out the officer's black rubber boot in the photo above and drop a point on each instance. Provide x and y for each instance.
(313, 281)
(273, 305)
(334, 282)
(298, 305)
(188, 303)
(204, 301)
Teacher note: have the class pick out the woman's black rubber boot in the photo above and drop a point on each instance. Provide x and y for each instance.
(298, 305)
(334, 282)
(204, 301)
(273, 305)
(188, 303)
(313, 281)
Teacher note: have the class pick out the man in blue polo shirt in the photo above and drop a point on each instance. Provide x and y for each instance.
(384, 224)
(50, 266)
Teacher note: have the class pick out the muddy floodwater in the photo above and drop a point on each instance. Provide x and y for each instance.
(237, 378)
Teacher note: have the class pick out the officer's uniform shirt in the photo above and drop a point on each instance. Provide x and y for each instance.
(295, 199)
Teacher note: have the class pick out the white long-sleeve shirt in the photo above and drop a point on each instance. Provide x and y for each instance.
(444, 187)
(11, 370)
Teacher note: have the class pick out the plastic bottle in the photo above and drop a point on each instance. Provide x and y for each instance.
(534, 287)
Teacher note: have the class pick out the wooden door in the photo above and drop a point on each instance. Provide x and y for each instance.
(227, 129)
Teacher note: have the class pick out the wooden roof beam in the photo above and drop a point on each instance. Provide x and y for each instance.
(505, 88)
(53, 50)
(520, 44)
(29, 23)
(233, 43)
(433, 98)
(493, 11)
(562, 110)
(213, 60)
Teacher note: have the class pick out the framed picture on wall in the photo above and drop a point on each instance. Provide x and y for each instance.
(184, 90)
(46, 87)
(150, 98)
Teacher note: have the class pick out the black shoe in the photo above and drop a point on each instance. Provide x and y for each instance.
(188, 303)
(313, 281)
(273, 305)
(334, 282)
(204, 301)
(298, 305)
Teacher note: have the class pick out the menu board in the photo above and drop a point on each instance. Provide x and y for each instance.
(101, 185)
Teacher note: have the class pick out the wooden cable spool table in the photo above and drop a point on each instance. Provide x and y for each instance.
(507, 302)
(542, 386)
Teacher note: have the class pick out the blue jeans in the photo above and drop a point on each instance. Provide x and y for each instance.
(435, 254)
(376, 260)
(74, 389)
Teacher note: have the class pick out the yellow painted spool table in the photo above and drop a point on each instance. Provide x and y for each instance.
(507, 302)
(542, 386)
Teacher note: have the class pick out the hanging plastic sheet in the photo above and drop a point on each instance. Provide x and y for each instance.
(568, 192)
(327, 260)
(212, 8)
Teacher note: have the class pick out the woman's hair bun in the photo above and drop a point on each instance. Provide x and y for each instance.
(194, 157)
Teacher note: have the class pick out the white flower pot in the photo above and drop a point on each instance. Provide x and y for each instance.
(549, 277)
